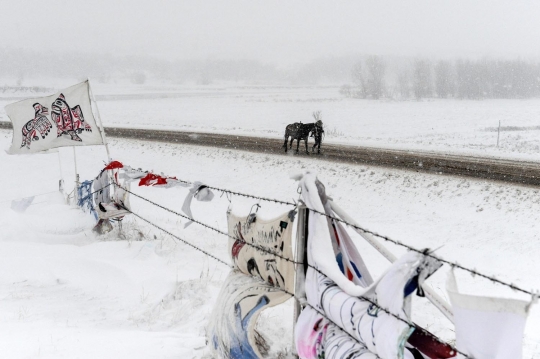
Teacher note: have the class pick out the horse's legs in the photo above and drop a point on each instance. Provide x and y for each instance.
(305, 142)
(285, 144)
(290, 145)
(297, 144)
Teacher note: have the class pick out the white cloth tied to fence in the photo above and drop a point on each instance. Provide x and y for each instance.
(487, 327)
(62, 119)
(258, 282)
(200, 192)
(109, 206)
(231, 331)
(130, 174)
(370, 332)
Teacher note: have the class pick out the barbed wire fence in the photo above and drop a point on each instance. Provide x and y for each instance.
(228, 192)
(533, 293)
(271, 252)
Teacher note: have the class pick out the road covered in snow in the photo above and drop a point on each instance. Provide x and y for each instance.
(65, 292)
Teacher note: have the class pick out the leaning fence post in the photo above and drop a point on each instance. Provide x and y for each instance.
(300, 259)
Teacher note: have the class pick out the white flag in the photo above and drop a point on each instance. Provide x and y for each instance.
(62, 119)
(487, 327)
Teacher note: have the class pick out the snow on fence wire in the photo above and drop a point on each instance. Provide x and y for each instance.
(534, 293)
(266, 250)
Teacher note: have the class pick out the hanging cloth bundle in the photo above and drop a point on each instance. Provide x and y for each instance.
(85, 200)
(199, 191)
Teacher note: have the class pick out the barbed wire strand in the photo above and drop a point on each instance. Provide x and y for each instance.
(252, 196)
(207, 226)
(180, 239)
(450, 263)
(267, 250)
(223, 190)
(97, 190)
(474, 272)
(233, 267)
(410, 324)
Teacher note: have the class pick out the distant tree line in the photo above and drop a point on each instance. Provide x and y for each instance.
(375, 77)
(371, 76)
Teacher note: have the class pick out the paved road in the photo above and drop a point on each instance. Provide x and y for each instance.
(526, 173)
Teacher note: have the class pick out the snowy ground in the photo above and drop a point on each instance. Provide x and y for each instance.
(450, 126)
(65, 293)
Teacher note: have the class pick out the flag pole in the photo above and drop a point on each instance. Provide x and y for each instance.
(76, 191)
(101, 128)
(61, 183)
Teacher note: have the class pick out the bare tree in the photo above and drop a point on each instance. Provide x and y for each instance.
(376, 70)
(404, 82)
(468, 80)
(444, 81)
(346, 90)
(422, 82)
(359, 79)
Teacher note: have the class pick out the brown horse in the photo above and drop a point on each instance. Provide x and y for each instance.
(298, 131)
(301, 131)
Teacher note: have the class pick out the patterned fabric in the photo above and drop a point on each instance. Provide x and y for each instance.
(335, 287)
(253, 285)
(111, 202)
(86, 201)
(368, 331)
(71, 115)
(231, 331)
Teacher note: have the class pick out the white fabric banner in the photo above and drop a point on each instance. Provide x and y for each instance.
(263, 236)
(487, 327)
(258, 282)
(62, 119)
(231, 329)
(343, 325)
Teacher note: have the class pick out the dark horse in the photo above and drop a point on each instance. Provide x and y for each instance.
(301, 131)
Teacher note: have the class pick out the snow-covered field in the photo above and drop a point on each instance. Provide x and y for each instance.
(66, 293)
(450, 126)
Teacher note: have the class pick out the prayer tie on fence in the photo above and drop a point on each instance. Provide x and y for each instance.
(344, 318)
(258, 281)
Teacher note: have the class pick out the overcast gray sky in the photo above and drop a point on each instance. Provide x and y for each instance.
(277, 31)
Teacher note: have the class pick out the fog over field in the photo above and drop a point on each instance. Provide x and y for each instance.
(385, 49)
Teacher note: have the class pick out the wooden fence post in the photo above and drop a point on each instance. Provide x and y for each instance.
(301, 269)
